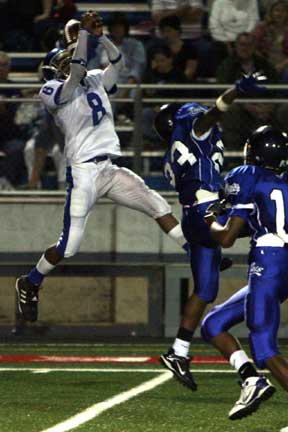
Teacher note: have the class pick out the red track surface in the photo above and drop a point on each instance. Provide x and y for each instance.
(100, 359)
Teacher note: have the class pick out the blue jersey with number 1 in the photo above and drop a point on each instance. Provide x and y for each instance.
(260, 197)
(86, 118)
(192, 162)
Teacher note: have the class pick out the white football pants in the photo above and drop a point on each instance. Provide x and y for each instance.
(90, 181)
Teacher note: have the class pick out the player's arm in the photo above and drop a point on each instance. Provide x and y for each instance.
(226, 235)
(91, 23)
(77, 67)
(116, 63)
(248, 85)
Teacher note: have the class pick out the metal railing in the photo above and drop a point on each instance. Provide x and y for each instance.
(136, 150)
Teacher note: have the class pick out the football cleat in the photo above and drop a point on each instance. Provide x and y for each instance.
(27, 299)
(254, 390)
(180, 368)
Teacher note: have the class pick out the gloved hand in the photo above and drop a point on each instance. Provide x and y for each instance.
(250, 84)
(214, 210)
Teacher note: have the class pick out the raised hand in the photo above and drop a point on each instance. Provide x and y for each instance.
(250, 84)
(92, 22)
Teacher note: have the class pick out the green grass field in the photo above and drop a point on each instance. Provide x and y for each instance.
(42, 397)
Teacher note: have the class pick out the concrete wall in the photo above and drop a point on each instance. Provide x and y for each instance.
(31, 227)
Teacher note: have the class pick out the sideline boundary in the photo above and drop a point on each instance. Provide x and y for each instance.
(101, 359)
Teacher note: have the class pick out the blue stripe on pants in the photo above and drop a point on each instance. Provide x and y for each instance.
(62, 242)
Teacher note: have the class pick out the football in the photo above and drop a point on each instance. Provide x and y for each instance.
(71, 30)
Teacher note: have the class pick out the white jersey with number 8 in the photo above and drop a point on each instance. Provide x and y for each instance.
(86, 119)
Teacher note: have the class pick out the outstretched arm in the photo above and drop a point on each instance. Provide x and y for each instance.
(77, 67)
(247, 85)
(111, 72)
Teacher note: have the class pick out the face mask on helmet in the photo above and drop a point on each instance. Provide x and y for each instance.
(56, 64)
(267, 147)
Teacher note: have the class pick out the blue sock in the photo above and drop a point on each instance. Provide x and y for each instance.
(35, 277)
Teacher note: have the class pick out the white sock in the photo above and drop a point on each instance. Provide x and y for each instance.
(43, 266)
(238, 358)
(177, 235)
(181, 347)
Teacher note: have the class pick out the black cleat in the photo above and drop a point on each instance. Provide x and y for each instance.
(27, 299)
(180, 368)
(225, 264)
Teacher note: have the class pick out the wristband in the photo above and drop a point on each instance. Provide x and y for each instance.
(221, 105)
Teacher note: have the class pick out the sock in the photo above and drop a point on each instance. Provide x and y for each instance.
(247, 370)
(240, 361)
(38, 273)
(177, 235)
(182, 342)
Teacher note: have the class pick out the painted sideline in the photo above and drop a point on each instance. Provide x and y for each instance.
(101, 359)
(93, 411)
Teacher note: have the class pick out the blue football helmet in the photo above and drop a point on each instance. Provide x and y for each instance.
(164, 120)
(56, 64)
(267, 147)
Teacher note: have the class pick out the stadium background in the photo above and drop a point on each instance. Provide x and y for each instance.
(129, 282)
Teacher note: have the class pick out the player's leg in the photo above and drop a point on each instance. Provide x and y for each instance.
(205, 268)
(77, 207)
(214, 329)
(268, 288)
(129, 190)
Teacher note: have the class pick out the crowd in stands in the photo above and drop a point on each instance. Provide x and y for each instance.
(189, 41)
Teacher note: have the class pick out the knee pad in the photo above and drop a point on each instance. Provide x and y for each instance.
(70, 241)
(79, 206)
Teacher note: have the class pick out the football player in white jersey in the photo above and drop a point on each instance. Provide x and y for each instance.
(80, 105)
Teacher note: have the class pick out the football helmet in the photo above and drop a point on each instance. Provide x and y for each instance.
(163, 122)
(56, 64)
(267, 147)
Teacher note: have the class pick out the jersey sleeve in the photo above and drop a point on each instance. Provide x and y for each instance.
(96, 79)
(50, 94)
(239, 189)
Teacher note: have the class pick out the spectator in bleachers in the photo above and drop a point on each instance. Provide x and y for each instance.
(244, 59)
(190, 13)
(162, 71)
(30, 19)
(184, 54)
(272, 37)
(241, 119)
(47, 139)
(229, 18)
(12, 167)
(134, 56)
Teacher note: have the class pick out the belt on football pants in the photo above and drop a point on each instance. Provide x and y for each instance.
(97, 159)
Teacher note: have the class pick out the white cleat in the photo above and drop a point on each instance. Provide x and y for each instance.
(254, 390)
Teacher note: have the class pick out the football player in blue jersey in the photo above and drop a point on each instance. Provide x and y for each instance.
(193, 163)
(258, 195)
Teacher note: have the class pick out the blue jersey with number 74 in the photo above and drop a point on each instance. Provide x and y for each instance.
(191, 162)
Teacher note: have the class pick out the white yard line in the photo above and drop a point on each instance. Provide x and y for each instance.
(93, 411)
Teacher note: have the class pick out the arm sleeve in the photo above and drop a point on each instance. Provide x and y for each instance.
(239, 188)
(111, 72)
(77, 68)
(50, 94)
